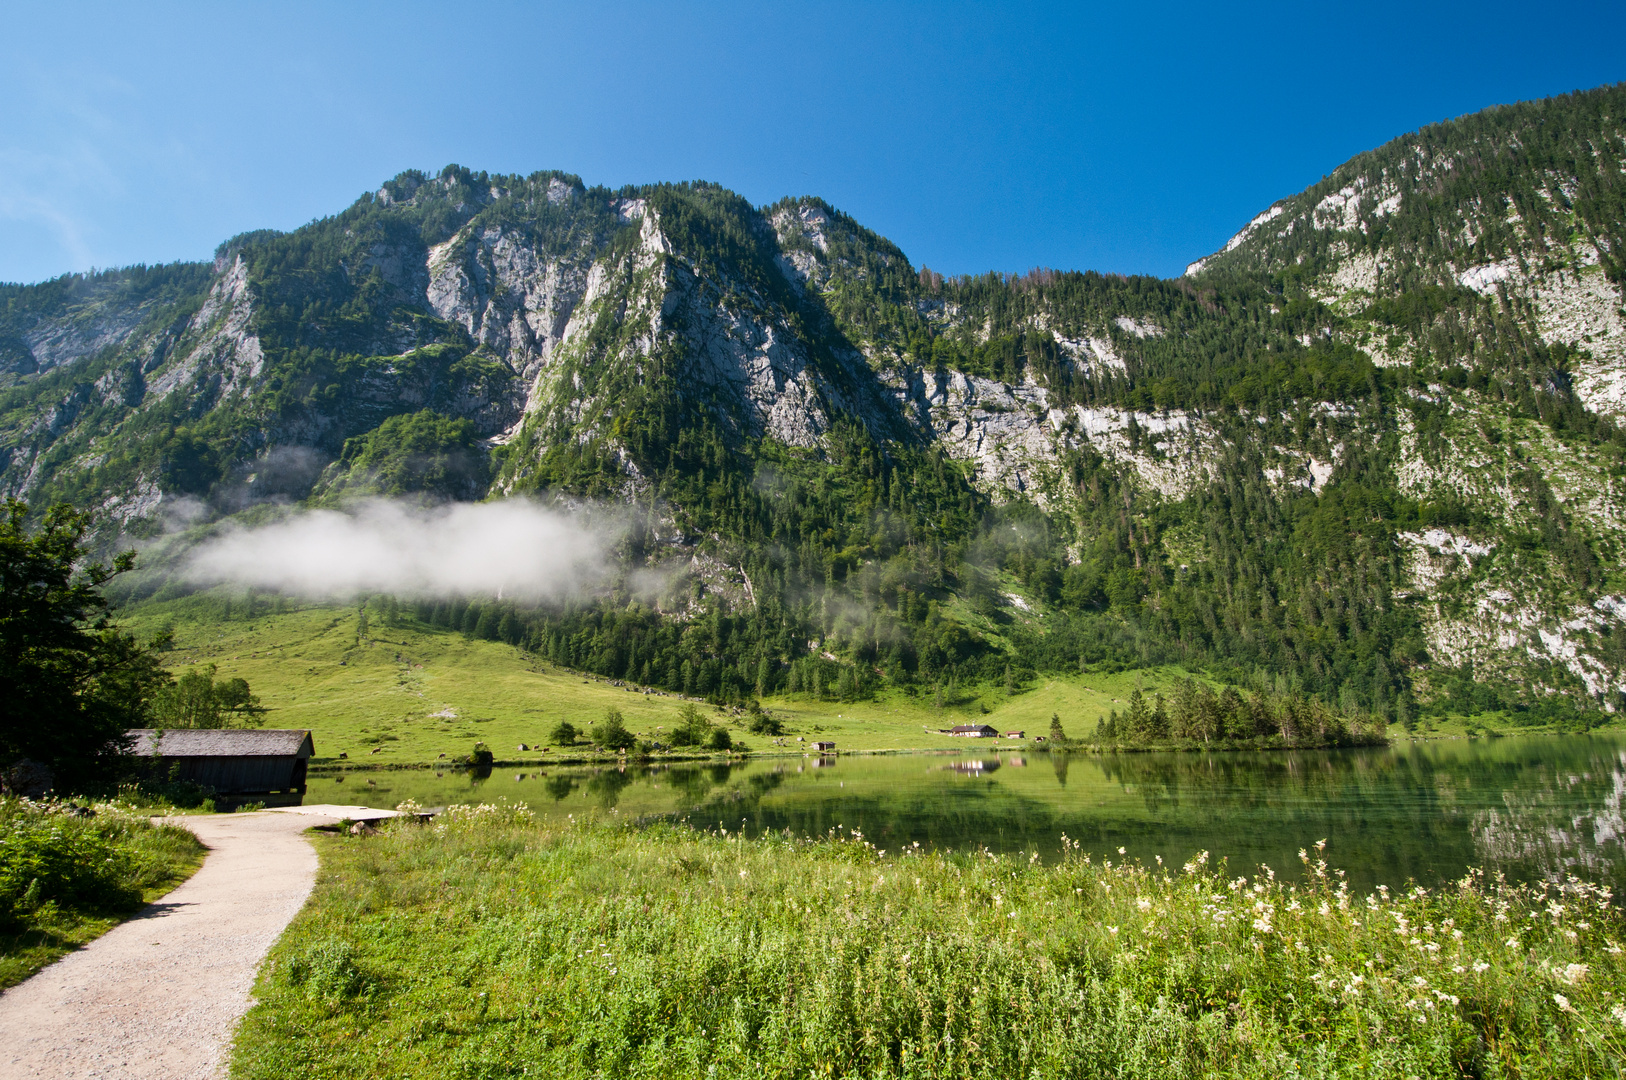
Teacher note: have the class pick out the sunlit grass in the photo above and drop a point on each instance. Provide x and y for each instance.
(409, 694)
(489, 944)
(52, 900)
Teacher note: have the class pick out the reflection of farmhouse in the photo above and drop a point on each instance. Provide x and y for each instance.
(974, 731)
(240, 766)
(973, 768)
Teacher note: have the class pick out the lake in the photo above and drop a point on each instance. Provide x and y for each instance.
(1425, 812)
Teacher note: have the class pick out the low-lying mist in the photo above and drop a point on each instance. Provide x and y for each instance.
(513, 548)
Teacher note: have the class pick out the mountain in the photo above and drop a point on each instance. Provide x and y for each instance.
(1371, 448)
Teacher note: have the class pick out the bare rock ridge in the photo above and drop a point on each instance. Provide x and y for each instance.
(1449, 304)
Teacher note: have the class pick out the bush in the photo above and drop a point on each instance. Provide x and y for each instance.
(611, 732)
(693, 729)
(763, 723)
(53, 857)
(327, 971)
(564, 734)
(720, 740)
(481, 756)
(67, 874)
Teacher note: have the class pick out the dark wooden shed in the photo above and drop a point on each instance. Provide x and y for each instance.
(241, 765)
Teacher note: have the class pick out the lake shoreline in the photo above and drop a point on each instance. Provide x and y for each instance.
(330, 766)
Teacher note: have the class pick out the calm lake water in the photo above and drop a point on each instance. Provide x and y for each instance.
(1531, 807)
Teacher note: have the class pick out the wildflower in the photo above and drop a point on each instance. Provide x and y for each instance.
(1113, 930)
(1120, 851)
(1261, 925)
(1320, 846)
(1480, 967)
(1574, 974)
(1513, 943)
(742, 873)
(1144, 904)
(1619, 1013)
(1562, 1002)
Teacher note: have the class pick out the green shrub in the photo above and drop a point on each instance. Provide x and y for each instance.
(611, 732)
(759, 722)
(52, 856)
(328, 971)
(564, 734)
(693, 729)
(66, 875)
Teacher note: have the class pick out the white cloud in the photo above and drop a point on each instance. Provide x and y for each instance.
(513, 548)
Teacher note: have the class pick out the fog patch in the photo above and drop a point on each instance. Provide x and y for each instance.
(514, 549)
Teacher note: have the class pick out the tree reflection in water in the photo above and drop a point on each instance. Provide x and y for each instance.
(1529, 807)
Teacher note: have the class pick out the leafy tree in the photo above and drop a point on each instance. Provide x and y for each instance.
(196, 700)
(761, 722)
(611, 732)
(71, 682)
(564, 733)
(693, 729)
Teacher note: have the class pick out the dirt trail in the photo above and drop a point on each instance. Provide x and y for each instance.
(157, 997)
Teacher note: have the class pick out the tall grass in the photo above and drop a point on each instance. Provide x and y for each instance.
(488, 945)
(70, 873)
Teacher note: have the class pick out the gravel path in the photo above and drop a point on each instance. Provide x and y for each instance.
(157, 997)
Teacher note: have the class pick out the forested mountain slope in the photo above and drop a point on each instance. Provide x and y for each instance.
(1369, 449)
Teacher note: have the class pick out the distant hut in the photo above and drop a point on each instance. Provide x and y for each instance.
(824, 747)
(1016, 734)
(975, 731)
(239, 765)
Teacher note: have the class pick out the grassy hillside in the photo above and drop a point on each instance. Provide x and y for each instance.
(406, 695)
(413, 693)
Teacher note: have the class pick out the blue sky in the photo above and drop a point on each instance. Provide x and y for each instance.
(1124, 137)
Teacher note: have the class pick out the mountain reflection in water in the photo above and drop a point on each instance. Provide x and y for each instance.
(1529, 807)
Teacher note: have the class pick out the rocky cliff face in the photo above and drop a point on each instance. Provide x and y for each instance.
(568, 323)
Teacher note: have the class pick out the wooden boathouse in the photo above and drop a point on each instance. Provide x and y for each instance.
(239, 765)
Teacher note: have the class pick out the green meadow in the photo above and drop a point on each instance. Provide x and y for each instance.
(491, 944)
(407, 695)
